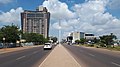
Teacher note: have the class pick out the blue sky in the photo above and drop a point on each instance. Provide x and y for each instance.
(32, 4)
(91, 16)
(25, 4)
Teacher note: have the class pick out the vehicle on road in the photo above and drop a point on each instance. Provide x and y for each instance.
(1, 45)
(47, 46)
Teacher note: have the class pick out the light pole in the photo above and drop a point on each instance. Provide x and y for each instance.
(4, 41)
(59, 32)
(20, 40)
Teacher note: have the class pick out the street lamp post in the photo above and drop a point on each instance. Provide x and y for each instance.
(59, 32)
(20, 40)
(4, 41)
(59, 35)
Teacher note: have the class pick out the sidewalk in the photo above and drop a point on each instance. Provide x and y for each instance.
(59, 57)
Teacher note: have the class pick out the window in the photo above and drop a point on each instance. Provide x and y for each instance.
(30, 15)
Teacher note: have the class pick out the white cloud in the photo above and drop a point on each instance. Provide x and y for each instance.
(96, 20)
(5, 1)
(58, 9)
(13, 16)
(90, 16)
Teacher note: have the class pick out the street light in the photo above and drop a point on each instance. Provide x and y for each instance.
(59, 32)
(59, 35)
(4, 41)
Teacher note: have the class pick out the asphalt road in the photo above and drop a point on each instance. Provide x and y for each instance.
(91, 57)
(31, 57)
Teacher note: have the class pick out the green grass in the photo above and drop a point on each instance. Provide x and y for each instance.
(117, 48)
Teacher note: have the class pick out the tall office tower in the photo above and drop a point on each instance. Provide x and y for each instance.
(36, 21)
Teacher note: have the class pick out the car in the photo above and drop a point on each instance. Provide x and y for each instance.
(47, 46)
(11, 45)
(1, 45)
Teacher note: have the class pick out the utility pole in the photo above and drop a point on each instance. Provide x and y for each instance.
(4, 42)
(59, 31)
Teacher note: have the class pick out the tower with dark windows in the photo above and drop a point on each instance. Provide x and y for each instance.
(36, 21)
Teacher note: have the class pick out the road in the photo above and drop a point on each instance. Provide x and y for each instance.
(93, 57)
(31, 57)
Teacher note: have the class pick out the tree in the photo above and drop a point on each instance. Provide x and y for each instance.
(96, 40)
(54, 39)
(34, 37)
(77, 41)
(1, 36)
(82, 40)
(107, 39)
(10, 33)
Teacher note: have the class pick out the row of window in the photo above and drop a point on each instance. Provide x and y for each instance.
(89, 34)
(35, 30)
(35, 15)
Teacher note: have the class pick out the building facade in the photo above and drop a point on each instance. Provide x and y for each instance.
(89, 36)
(36, 21)
(77, 36)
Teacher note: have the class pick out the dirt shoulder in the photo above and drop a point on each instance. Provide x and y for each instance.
(6, 50)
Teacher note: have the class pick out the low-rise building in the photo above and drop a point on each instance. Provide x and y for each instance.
(77, 36)
(89, 36)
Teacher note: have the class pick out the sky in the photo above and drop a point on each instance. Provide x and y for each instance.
(100, 17)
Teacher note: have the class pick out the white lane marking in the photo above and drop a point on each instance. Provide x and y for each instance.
(91, 54)
(71, 56)
(46, 58)
(20, 57)
(116, 64)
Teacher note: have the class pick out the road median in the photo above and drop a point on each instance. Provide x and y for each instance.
(59, 57)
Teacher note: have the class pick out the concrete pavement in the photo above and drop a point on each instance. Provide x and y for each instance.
(59, 57)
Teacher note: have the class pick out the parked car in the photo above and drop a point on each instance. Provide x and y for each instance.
(47, 46)
(1, 45)
(11, 45)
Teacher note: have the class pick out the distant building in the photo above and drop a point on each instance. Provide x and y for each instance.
(116, 42)
(36, 21)
(89, 36)
(77, 36)
(82, 35)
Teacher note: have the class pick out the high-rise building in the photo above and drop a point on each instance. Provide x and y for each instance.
(36, 21)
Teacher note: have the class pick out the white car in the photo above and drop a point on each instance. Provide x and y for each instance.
(47, 46)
